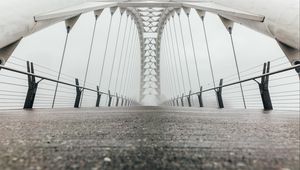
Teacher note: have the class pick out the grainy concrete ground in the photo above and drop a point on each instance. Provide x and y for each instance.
(149, 138)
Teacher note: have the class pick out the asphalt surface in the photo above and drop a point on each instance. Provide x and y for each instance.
(149, 138)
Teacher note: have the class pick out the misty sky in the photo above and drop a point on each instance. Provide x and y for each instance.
(45, 48)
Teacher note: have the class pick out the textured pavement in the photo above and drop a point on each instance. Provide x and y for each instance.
(149, 138)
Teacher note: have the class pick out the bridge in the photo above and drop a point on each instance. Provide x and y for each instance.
(150, 90)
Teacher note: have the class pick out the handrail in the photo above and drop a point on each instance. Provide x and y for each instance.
(245, 80)
(50, 79)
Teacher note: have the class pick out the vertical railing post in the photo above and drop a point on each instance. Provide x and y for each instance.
(122, 103)
(117, 101)
(98, 97)
(219, 95)
(264, 88)
(182, 100)
(177, 102)
(189, 99)
(126, 102)
(32, 87)
(109, 98)
(298, 68)
(130, 103)
(78, 94)
(173, 101)
(200, 97)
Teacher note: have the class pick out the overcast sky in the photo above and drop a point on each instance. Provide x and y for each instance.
(45, 48)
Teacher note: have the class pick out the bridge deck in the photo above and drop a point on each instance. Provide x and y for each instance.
(148, 138)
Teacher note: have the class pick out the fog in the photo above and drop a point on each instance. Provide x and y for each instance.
(45, 48)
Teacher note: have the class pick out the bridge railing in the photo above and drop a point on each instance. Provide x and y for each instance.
(11, 98)
(263, 87)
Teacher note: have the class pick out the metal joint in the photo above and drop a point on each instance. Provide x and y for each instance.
(117, 101)
(32, 87)
(78, 94)
(219, 95)
(182, 102)
(200, 97)
(98, 97)
(189, 99)
(109, 98)
(264, 88)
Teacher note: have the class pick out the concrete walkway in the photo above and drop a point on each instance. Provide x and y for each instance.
(149, 138)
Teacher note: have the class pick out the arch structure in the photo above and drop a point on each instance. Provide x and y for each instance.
(150, 21)
(150, 18)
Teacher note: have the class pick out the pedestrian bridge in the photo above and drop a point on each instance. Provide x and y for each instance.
(151, 98)
(149, 138)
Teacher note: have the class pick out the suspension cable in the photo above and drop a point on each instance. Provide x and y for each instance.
(180, 64)
(168, 65)
(131, 71)
(105, 51)
(115, 51)
(139, 70)
(130, 39)
(175, 61)
(136, 66)
(127, 63)
(172, 75)
(163, 77)
(89, 58)
(193, 46)
(130, 60)
(122, 49)
(171, 63)
(208, 51)
(185, 55)
(61, 64)
(172, 84)
(237, 66)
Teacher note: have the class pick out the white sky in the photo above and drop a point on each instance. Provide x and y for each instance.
(45, 48)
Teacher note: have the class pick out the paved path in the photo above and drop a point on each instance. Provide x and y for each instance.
(149, 138)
